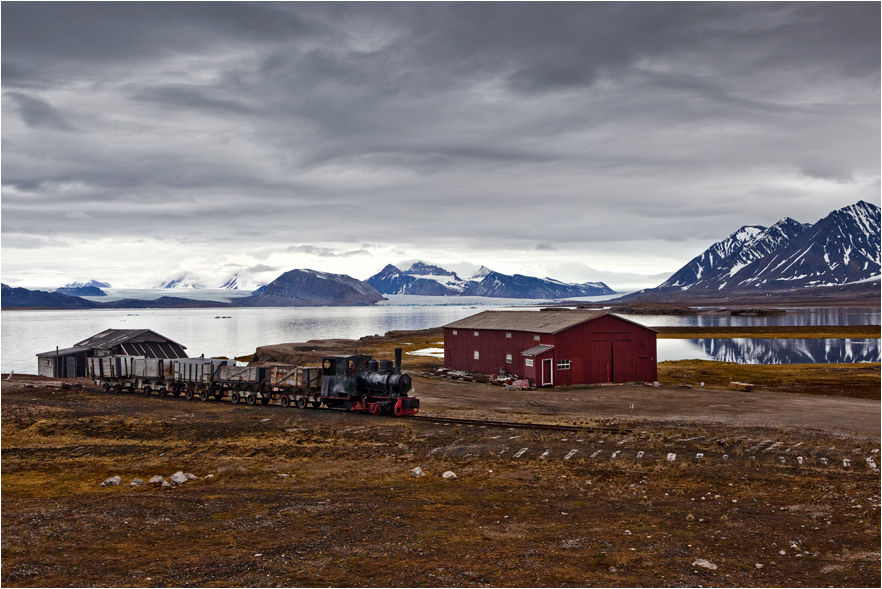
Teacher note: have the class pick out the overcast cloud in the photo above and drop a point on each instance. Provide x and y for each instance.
(141, 140)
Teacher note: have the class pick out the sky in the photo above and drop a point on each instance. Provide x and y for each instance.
(580, 141)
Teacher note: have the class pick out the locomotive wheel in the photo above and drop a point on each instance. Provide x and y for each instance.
(265, 400)
(285, 401)
(250, 399)
(147, 390)
(163, 391)
(301, 402)
(105, 387)
(203, 395)
(398, 410)
(234, 397)
(117, 389)
(188, 394)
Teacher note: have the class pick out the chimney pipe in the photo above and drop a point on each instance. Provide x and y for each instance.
(398, 360)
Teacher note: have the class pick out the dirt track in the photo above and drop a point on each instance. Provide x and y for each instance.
(840, 415)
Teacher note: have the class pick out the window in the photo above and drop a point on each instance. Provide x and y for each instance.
(563, 364)
(477, 355)
(508, 335)
(508, 358)
(454, 332)
(536, 337)
(528, 362)
(476, 334)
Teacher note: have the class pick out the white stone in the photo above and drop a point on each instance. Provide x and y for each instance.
(417, 472)
(640, 454)
(112, 481)
(190, 476)
(137, 482)
(166, 484)
(704, 563)
(519, 453)
(156, 480)
(671, 457)
(450, 475)
(179, 478)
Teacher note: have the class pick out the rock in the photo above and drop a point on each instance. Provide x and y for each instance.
(758, 565)
(700, 562)
(209, 476)
(190, 476)
(156, 480)
(137, 482)
(450, 475)
(417, 472)
(179, 478)
(112, 481)
(166, 484)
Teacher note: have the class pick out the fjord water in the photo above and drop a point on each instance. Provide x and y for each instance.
(27, 333)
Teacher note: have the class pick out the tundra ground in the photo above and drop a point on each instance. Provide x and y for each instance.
(309, 498)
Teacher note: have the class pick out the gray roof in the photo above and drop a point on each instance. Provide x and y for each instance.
(532, 321)
(114, 337)
(64, 352)
(537, 350)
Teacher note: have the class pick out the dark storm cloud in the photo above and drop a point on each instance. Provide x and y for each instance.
(462, 126)
(39, 113)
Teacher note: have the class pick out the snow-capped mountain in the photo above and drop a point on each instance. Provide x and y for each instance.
(421, 278)
(310, 288)
(181, 281)
(416, 279)
(93, 283)
(238, 282)
(842, 248)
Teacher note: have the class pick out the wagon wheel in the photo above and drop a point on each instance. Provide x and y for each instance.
(316, 404)
(250, 399)
(105, 387)
(301, 402)
(203, 395)
(218, 395)
(163, 391)
(176, 391)
(117, 388)
(234, 397)
(147, 390)
(265, 399)
(285, 401)
(188, 394)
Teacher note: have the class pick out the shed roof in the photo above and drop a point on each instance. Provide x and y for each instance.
(537, 350)
(64, 352)
(532, 321)
(113, 337)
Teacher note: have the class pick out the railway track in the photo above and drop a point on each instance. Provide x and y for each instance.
(516, 425)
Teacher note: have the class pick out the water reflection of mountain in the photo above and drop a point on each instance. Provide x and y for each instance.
(790, 351)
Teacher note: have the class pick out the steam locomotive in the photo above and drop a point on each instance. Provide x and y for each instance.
(351, 383)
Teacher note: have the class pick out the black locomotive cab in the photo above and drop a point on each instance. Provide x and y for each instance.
(360, 383)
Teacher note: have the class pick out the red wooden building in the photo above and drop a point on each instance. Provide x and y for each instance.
(553, 347)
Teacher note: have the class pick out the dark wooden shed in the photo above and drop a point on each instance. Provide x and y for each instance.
(71, 362)
(553, 347)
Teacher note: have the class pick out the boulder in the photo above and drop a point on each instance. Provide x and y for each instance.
(417, 472)
(137, 482)
(165, 484)
(190, 476)
(179, 478)
(450, 475)
(156, 480)
(112, 481)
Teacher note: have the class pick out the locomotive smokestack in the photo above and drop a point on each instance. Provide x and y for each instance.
(398, 360)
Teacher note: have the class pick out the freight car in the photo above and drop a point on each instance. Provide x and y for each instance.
(352, 383)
